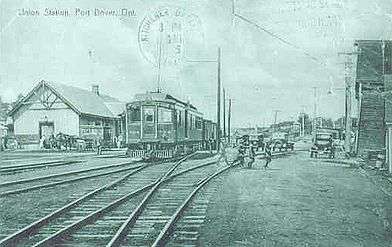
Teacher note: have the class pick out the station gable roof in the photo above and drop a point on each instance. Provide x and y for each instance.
(80, 100)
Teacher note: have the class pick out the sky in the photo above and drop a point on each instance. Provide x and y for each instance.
(273, 52)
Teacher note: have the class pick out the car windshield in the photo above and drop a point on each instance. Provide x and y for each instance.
(322, 141)
(323, 137)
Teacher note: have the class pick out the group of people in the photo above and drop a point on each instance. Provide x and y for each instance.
(7, 142)
(56, 141)
(246, 154)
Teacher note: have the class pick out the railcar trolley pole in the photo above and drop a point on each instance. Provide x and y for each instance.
(224, 114)
(229, 122)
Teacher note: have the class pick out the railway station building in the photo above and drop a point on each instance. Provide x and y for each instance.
(52, 108)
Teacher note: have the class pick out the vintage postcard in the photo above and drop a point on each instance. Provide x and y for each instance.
(196, 123)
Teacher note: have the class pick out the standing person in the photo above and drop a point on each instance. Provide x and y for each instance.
(119, 141)
(41, 142)
(210, 145)
(99, 146)
(2, 146)
(51, 141)
(268, 156)
(240, 156)
(252, 155)
(59, 140)
(223, 153)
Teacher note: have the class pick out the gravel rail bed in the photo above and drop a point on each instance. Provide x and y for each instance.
(47, 200)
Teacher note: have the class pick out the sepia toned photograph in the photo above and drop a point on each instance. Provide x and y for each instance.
(196, 123)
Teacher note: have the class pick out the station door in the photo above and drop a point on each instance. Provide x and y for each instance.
(46, 129)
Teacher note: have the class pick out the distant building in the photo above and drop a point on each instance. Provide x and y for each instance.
(50, 108)
(292, 128)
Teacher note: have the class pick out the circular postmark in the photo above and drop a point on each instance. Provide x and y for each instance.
(163, 34)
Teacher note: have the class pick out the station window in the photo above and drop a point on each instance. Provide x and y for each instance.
(149, 115)
(135, 114)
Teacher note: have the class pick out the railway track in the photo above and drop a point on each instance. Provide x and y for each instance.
(6, 162)
(154, 219)
(30, 184)
(93, 218)
(30, 166)
(41, 158)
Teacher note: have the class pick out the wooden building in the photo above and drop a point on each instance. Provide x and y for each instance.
(373, 69)
(52, 108)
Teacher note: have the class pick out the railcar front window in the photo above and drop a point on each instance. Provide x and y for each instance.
(149, 115)
(135, 114)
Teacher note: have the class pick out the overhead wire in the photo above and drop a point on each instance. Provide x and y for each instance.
(280, 38)
(272, 34)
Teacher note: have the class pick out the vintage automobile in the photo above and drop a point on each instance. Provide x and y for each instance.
(257, 140)
(282, 144)
(322, 145)
(280, 141)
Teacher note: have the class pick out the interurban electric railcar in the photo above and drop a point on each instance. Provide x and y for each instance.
(159, 124)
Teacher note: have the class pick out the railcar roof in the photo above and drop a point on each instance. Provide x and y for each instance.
(153, 96)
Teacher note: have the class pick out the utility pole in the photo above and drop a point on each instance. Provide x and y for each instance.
(347, 80)
(218, 103)
(314, 109)
(348, 65)
(218, 94)
(159, 78)
(303, 121)
(275, 118)
(224, 113)
(229, 121)
(233, 13)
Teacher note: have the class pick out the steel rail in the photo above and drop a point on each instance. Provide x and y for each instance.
(168, 228)
(12, 239)
(65, 174)
(37, 159)
(120, 234)
(47, 185)
(32, 164)
(278, 154)
(98, 213)
(15, 237)
(8, 169)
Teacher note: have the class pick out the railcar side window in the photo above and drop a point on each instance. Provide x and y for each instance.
(149, 115)
(179, 118)
(135, 114)
(198, 123)
(164, 115)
